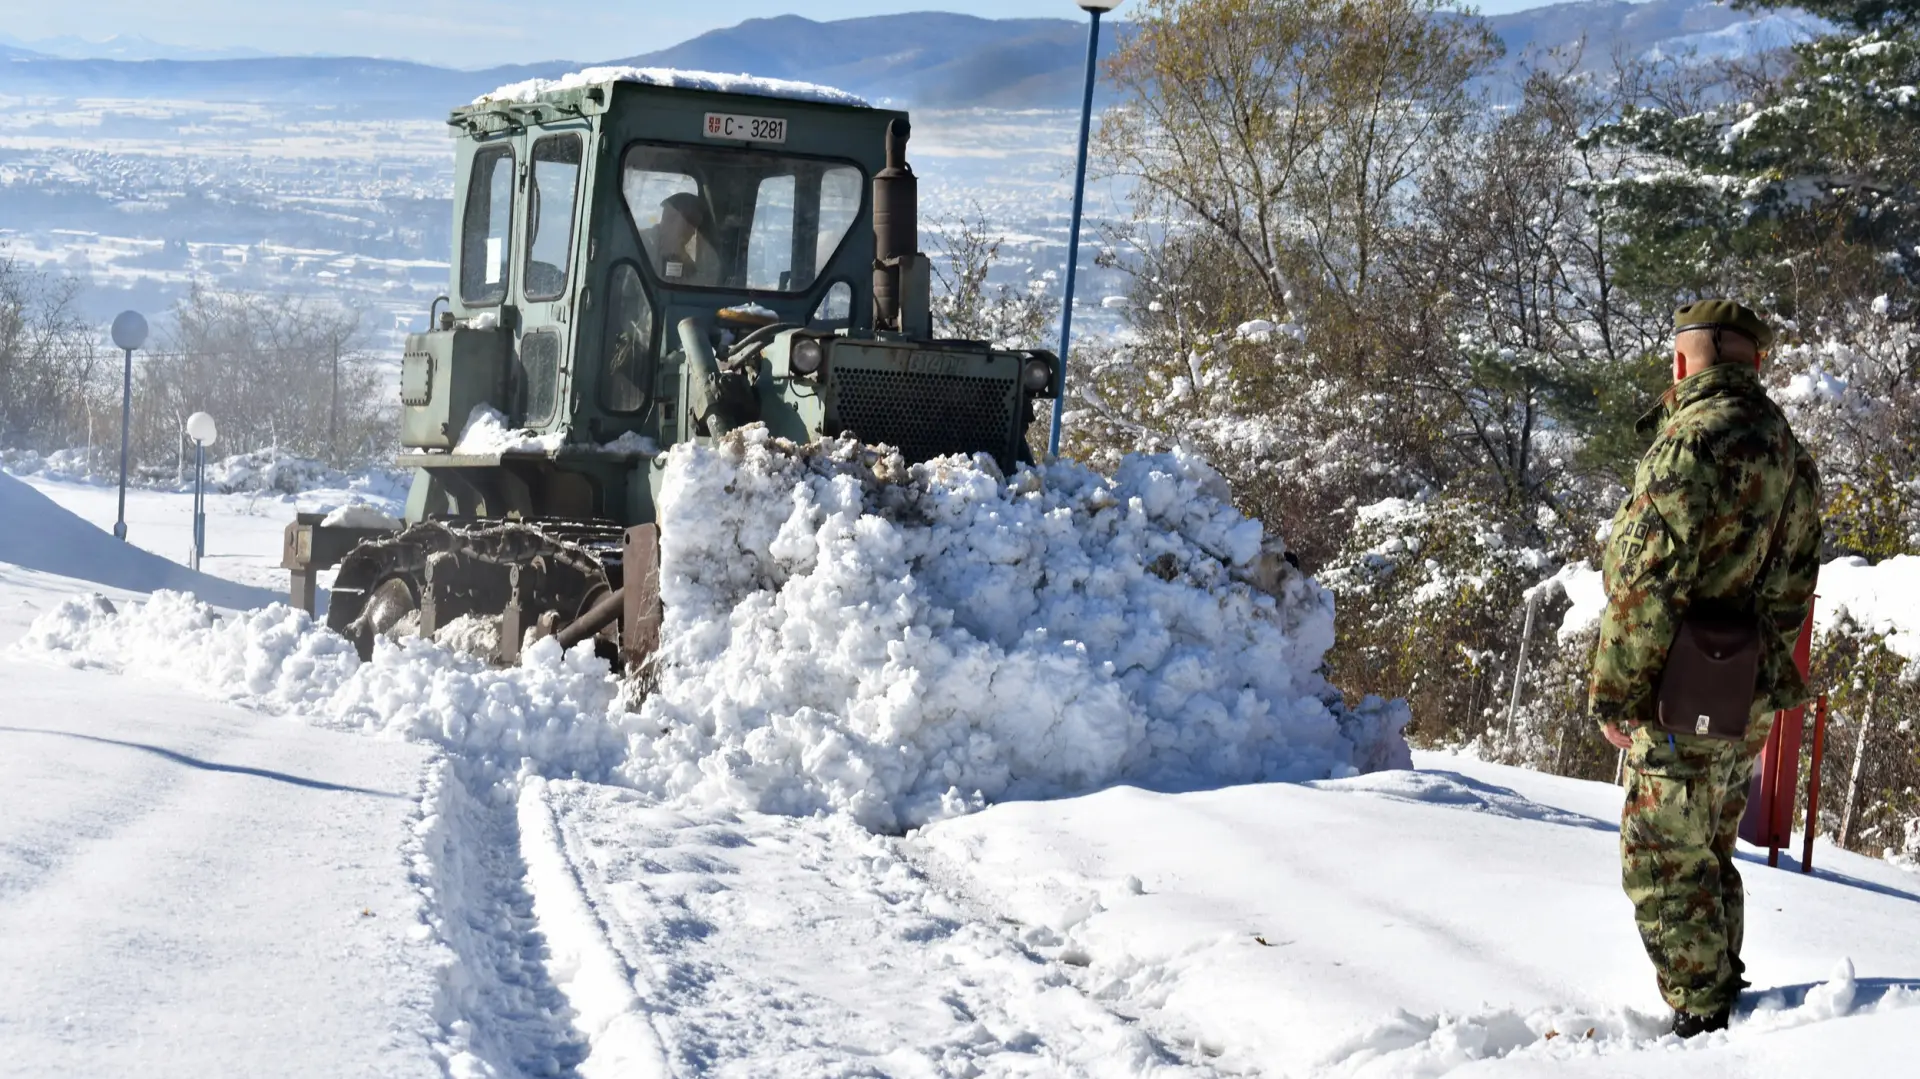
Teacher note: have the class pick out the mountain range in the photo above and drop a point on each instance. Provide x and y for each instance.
(116, 47)
(926, 59)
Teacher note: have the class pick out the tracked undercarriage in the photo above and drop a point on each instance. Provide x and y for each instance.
(572, 580)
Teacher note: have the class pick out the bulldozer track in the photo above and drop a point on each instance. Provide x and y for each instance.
(439, 571)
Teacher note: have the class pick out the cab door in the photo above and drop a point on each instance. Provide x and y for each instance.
(551, 175)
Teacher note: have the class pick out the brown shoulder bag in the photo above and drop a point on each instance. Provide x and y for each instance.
(1712, 669)
(1713, 665)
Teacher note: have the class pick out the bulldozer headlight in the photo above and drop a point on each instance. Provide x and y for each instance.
(1036, 374)
(808, 355)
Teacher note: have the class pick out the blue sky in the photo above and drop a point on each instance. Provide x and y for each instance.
(467, 33)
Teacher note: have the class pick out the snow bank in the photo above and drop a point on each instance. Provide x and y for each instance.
(756, 86)
(559, 710)
(844, 632)
(37, 534)
(847, 633)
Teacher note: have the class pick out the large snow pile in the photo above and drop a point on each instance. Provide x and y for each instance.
(752, 85)
(37, 534)
(845, 632)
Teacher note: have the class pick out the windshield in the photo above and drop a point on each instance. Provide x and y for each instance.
(738, 219)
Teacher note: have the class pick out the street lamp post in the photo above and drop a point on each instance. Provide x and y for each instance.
(201, 429)
(129, 333)
(1095, 9)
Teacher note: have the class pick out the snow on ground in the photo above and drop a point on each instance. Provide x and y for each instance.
(1400, 924)
(185, 891)
(751, 944)
(562, 888)
(39, 535)
(244, 528)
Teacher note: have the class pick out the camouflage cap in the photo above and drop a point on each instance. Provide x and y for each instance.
(1726, 315)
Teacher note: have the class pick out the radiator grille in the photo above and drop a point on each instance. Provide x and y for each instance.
(926, 415)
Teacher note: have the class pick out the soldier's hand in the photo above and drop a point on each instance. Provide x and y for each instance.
(1612, 733)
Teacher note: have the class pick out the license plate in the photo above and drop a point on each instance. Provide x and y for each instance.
(721, 125)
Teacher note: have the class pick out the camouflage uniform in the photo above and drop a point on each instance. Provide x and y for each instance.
(1699, 525)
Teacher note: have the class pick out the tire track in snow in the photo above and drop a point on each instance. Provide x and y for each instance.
(500, 1013)
(598, 976)
(753, 945)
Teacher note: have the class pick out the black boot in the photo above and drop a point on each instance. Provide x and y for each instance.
(1687, 1024)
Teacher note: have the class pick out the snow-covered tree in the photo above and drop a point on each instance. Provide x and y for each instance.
(1803, 196)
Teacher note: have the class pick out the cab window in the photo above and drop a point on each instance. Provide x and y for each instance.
(739, 219)
(626, 382)
(554, 189)
(486, 227)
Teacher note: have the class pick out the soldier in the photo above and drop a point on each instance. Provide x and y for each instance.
(1724, 511)
(676, 244)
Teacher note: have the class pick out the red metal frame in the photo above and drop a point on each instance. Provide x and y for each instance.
(1769, 818)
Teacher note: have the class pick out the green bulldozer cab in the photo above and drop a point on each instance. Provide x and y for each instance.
(642, 259)
(617, 241)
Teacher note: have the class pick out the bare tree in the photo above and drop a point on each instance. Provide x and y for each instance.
(48, 360)
(275, 371)
(970, 306)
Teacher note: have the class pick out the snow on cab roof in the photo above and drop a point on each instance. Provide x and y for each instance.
(526, 92)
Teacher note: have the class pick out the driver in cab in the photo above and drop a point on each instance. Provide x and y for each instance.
(675, 244)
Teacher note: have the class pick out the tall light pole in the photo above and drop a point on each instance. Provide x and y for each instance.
(201, 429)
(129, 333)
(1095, 9)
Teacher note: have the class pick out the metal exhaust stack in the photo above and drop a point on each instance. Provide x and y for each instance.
(896, 226)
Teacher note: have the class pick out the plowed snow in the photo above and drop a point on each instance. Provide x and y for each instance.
(847, 633)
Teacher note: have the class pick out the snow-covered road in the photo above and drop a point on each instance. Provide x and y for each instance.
(190, 889)
(754, 945)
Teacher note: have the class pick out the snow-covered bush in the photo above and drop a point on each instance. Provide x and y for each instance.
(1295, 443)
(78, 465)
(1852, 395)
(1431, 595)
(276, 471)
(268, 471)
(1871, 772)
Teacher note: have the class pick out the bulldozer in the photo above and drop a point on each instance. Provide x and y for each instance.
(643, 259)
